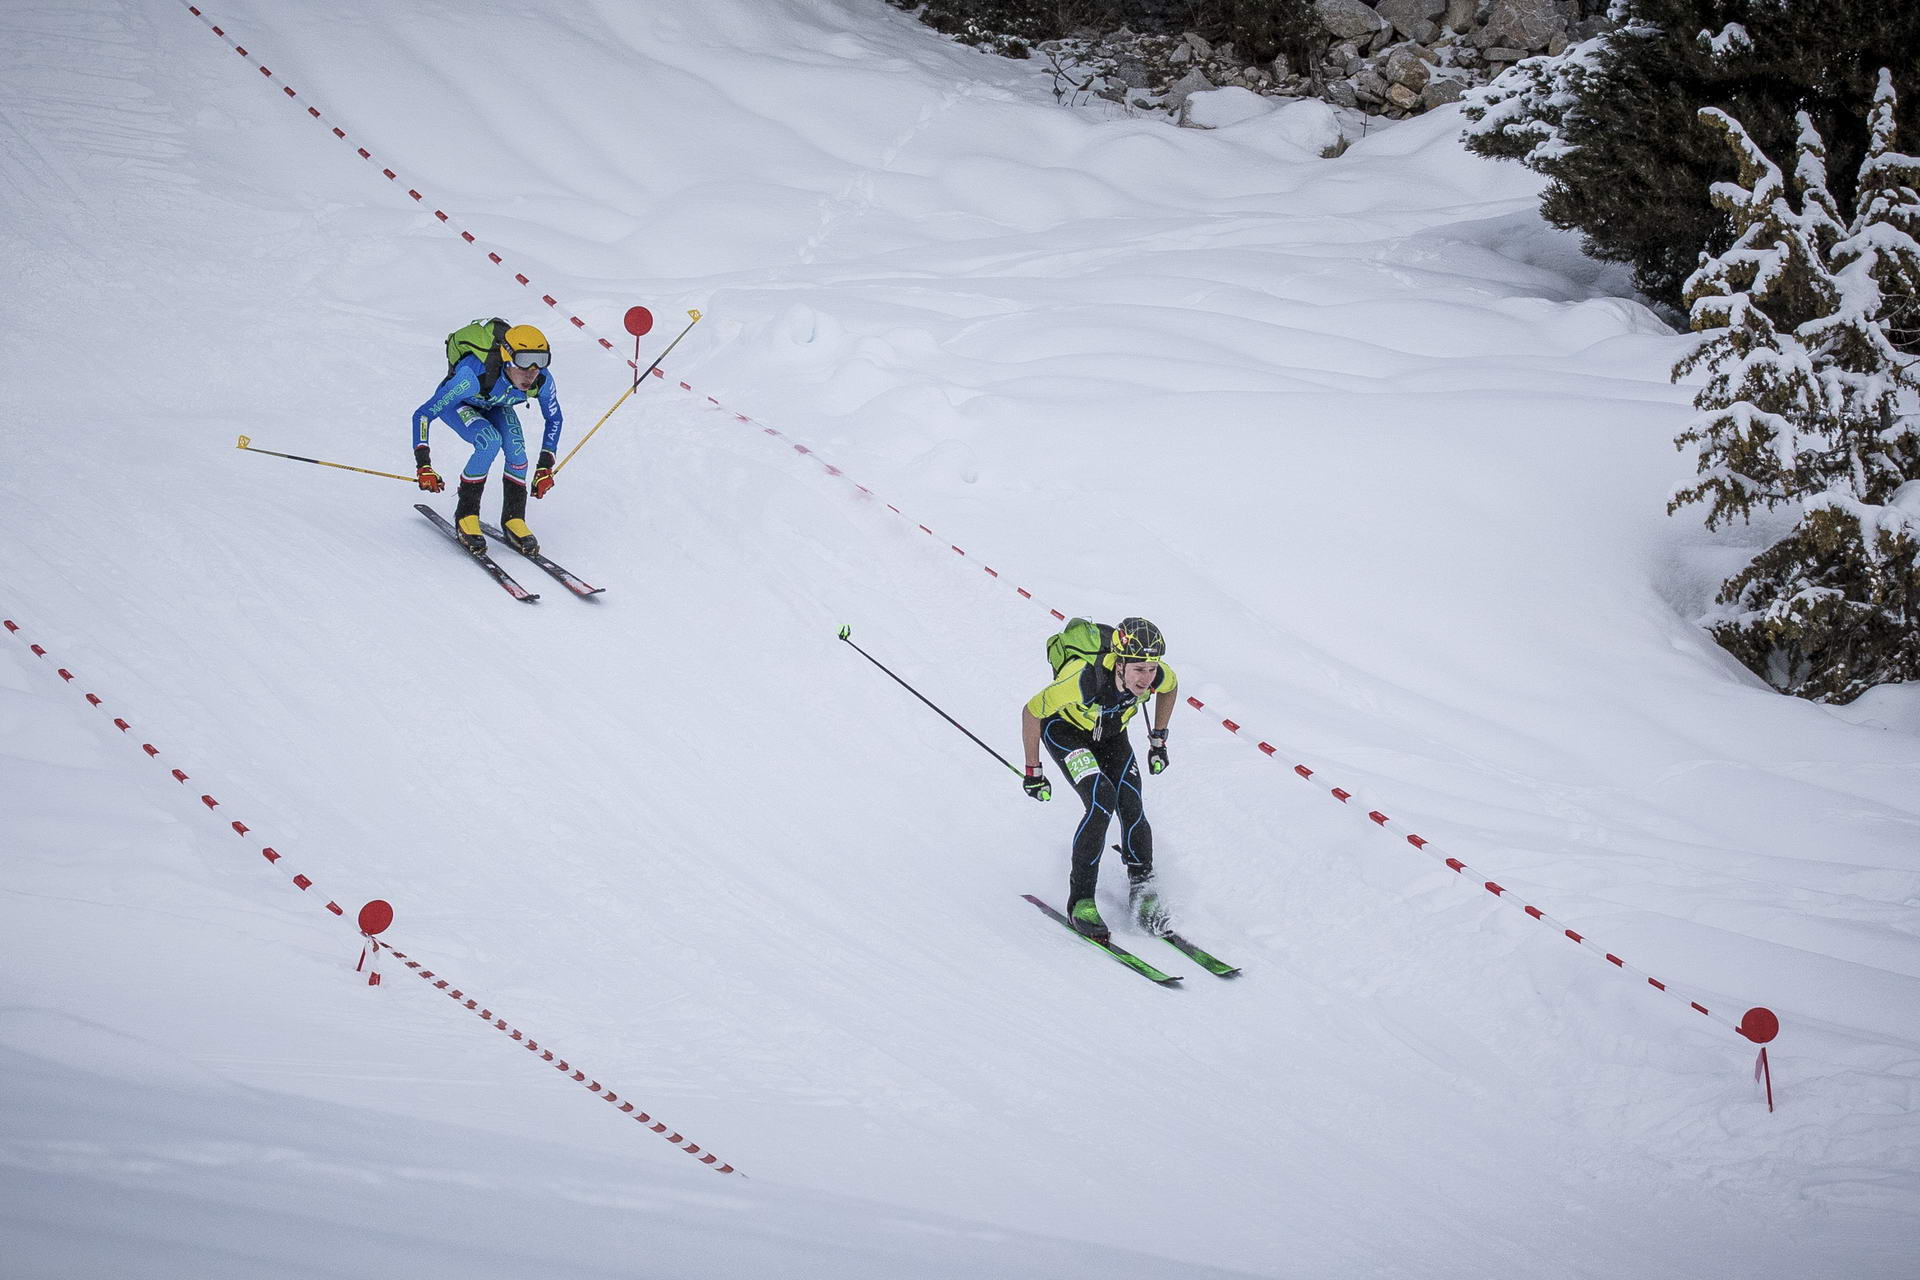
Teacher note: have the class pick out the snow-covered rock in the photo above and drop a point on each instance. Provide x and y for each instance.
(1218, 108)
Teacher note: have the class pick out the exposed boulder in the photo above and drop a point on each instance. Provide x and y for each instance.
(1527, 25)
(1341, 93)
(1195, 81)
(1405, 66)
(1385, 57)
(1412, 19)
(1350, 20)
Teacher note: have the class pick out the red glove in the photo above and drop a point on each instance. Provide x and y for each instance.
(423, 471)
(543, 475)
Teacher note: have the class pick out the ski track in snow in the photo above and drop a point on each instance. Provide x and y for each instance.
(1385, 457)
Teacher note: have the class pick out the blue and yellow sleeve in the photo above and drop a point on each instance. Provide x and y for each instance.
(461, 385)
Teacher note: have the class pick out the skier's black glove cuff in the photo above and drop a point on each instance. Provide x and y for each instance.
(422, 456)
(1036, 784)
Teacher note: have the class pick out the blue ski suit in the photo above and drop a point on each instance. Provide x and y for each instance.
(489, 422)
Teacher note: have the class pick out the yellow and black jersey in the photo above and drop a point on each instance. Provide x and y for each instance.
(1089, 696)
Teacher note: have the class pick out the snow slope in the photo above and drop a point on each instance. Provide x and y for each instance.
(1383, 455)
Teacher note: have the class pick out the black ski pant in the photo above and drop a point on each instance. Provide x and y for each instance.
(1107, 777)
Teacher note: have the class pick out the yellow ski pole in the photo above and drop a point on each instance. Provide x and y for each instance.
(629, 391)
(246, 442)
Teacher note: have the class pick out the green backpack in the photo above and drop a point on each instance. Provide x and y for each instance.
(480, 338)
(1081, 638)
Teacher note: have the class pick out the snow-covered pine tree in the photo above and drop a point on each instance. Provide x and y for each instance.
(1616, 131)
(1762, 406)
(1522, 113)
(1833, 608)
(1885, 242)
(1874, 263)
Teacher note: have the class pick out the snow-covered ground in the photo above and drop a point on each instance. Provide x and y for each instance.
(1385, 457)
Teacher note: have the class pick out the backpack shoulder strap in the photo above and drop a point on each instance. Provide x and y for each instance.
(490, 375)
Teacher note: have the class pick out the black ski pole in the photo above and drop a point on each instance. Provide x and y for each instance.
(846, 634)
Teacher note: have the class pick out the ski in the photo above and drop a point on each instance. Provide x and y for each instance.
(1125, 957)
(1212, 964)
(571, 583)
(485, 561)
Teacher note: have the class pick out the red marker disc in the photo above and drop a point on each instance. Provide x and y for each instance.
(375, 916)
(639, 321)
(1759, 1025)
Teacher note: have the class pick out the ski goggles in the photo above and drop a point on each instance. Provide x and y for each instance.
(532, 359)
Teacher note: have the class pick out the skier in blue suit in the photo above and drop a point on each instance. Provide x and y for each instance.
(479, 400)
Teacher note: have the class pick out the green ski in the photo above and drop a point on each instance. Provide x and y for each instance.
(1126, 958)
(1212, 964)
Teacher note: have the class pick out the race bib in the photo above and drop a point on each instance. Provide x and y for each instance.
(1079, 764)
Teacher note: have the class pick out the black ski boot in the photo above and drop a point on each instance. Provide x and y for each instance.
(1149, 911)
(466, 514)
(513, 518)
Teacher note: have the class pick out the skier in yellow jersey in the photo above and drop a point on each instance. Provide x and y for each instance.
(1101, 678)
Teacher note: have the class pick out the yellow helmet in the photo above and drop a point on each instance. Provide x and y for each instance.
(525, 346)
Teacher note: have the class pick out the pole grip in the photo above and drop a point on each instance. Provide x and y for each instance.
(629, 391)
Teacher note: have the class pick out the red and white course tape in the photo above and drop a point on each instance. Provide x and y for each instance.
(559, 1064)
(305, 884)
(1758, 1025)
(241, 829)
